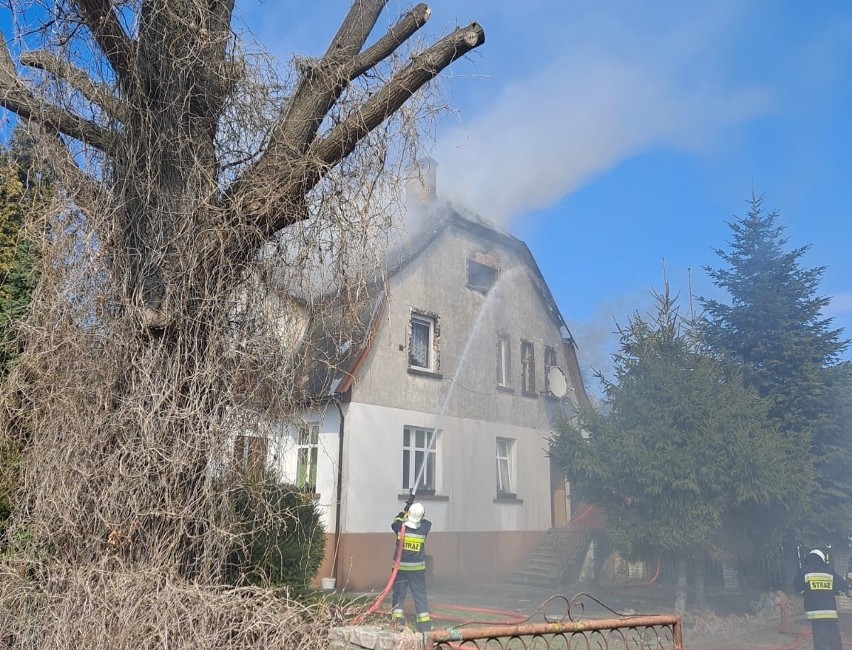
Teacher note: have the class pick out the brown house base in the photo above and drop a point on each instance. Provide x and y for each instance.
(365, 560)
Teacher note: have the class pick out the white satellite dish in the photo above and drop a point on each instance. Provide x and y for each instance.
(556, 381)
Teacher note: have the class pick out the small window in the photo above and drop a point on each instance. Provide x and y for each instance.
(527, 368)
(307, 450)
(504, 366)
(549, 362)
(250, 453)
(419, 456)
(422, 343)
(505, 467)
(480, 276)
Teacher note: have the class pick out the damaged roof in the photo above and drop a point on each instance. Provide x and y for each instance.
(342, 328)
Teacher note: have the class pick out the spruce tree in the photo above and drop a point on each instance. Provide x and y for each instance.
(683, 462)
(774, 328)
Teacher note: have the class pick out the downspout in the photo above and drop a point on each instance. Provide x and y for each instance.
(339, 503)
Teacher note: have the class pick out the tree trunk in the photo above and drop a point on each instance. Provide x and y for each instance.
(698, 586)
(146, 321)
(681, 589)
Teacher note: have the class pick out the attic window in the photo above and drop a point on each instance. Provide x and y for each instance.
(481, 272)
(423, 342)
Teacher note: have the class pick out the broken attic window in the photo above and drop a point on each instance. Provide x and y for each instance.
(480, 276)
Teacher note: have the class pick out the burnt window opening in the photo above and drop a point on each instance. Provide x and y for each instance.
(549, 362)
(480, 277)
(527, 368)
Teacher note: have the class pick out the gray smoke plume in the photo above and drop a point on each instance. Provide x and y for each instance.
(548, 134)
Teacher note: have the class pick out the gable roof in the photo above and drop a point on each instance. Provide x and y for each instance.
(335, 346)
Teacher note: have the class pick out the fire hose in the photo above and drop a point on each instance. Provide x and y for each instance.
(360, 618)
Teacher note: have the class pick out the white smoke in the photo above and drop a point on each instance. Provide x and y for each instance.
(547, 135)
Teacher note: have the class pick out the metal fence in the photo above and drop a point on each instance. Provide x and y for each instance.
(570, 631)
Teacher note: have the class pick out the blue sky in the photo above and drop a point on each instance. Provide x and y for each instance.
(616, 137)
(619, 137)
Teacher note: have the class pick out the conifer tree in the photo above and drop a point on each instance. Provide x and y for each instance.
(683, 463)
(19, 193)
(773, 327)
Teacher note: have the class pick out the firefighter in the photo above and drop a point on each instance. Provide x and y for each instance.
(412, 564)
(820, 584)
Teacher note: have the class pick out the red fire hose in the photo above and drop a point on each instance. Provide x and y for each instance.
(360, 618)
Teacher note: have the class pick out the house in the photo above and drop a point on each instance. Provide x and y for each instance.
(447, 380)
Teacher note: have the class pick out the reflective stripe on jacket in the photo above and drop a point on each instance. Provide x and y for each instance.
(414, 546)
(819, 585)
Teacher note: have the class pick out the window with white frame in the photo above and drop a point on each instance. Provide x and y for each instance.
(422, 342)
(419, 458)
(250, 453)
(307, 450)
(527, 367)
(504, 368)
(505, 467)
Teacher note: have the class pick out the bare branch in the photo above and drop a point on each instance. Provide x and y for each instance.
(319, 92)
(80, 184)
(343, 138)
(103, 22)
(98, 94)
(322, 84)
(20, 99)
(387, 44)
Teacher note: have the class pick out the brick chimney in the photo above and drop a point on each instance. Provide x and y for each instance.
(422, 186)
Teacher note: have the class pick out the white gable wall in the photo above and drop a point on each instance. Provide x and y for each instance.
(474, 532)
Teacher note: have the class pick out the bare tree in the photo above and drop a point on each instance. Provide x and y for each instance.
(188, 175)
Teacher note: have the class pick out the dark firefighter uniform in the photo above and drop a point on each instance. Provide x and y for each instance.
(412, 564)
(819, 586)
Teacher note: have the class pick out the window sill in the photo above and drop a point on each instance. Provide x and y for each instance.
(527, 393)
(508, 498)
(422, 372)
(426, 496)
(505, 389)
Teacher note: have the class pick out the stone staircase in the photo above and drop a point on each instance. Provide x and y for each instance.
(560, 555)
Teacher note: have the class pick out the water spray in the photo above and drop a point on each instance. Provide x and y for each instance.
(432, 442)
(461, 363)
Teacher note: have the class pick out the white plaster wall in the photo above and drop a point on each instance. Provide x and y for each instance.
(463, 403)
(469, 323)
(466, 473)
(283, 456)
